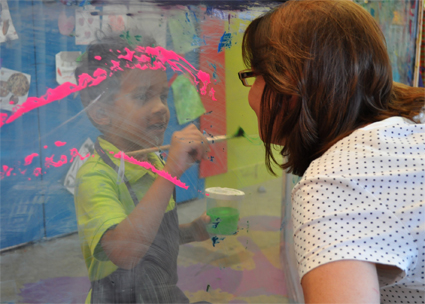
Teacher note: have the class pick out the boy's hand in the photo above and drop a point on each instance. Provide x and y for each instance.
(200, 233)
(194, 231)
(187, 147)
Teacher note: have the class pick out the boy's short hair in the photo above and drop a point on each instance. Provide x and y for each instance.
(105, 49)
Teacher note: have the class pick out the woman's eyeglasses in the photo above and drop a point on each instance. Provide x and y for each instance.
(247, 77)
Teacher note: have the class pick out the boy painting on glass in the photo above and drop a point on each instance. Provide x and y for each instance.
(127, 218)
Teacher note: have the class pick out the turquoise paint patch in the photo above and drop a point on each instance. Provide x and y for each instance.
(225, 42)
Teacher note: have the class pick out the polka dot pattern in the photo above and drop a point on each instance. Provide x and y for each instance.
(364, 200)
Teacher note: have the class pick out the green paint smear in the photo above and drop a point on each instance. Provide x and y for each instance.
(225, 220)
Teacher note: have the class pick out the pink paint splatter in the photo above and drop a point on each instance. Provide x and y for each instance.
(153, 58)
(6, 171)
(129, 55)
(97, 57)
(3, 117)
(211, 94)
(37, 171)
(151, 167)
(50, 162)
(29, 158)
(60, 143)
(75, 153)
(22, 172)
(205, 78)
(115, 66)
(45, 147)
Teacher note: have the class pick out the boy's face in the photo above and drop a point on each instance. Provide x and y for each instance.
(139, 114)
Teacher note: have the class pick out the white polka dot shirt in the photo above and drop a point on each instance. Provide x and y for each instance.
(364, 200)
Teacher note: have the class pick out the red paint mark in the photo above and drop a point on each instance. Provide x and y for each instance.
(50, 162)
(74, 154)
(60, 143)
(97, 57)
(6, 171)
(129, 55)
(45, 147)
(37, 171)
(112, 152)
(29, 158)
(55, 94)
(59, 72)
(151, 167)
(29, 178)
(22, 172)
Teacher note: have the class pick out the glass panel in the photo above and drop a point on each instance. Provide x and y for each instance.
(92, 95)
(133, 73)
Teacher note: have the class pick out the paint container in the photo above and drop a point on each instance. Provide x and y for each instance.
(223, 205)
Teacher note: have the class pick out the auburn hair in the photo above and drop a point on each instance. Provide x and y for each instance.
(327, 73)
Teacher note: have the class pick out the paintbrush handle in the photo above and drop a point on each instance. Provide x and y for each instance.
(211, 140)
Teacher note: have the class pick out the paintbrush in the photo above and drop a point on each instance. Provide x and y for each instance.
(212, 140)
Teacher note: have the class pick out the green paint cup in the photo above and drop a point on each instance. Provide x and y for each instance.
(223, 208)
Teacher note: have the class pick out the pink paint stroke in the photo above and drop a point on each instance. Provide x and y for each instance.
(55, 94)
(60, 143)
(148, 57)
(50, 162)
(37, 171)
(97, 57)
(29, 158)
(6, 171)
(211, 94)
(75, 153)
(129, 55)
(151, 167)
(3, 118)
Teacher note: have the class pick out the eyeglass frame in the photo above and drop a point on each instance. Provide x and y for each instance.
(246, 74)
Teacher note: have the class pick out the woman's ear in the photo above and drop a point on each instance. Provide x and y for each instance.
(98, 114)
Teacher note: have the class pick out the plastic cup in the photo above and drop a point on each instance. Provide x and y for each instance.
(223, 205)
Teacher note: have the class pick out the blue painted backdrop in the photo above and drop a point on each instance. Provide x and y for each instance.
(40, 208)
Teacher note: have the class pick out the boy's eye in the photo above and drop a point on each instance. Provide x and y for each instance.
(164, 98)
(141, 97)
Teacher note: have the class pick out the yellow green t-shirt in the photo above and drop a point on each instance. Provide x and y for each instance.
(102, 200)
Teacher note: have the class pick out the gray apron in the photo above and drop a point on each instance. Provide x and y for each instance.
(154, 278)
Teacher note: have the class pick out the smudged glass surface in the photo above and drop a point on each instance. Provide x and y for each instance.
(144, 71)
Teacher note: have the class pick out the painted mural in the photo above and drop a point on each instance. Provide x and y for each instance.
(398, 21)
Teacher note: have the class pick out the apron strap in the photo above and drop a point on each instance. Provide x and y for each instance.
(111, 164)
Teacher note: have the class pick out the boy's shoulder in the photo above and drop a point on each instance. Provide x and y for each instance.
(95, 166)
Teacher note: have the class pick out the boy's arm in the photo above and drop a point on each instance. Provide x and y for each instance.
(127, 243)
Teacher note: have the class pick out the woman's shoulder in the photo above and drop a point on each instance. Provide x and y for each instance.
(368, 148)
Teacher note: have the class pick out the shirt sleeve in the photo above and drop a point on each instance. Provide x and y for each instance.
(98, 208)
(335, 219)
